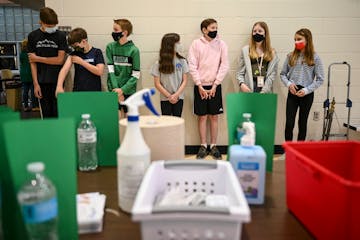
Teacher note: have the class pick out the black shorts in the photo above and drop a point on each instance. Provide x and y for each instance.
(124, 106)
(211, 106)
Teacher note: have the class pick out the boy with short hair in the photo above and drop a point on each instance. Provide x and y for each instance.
(88, 62)
(46, 48)
(123, 59)
(208, 64)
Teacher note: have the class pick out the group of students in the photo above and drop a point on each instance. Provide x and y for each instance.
(207, 64)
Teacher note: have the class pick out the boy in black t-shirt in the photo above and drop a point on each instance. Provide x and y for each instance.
(88, 62)
(46, 48)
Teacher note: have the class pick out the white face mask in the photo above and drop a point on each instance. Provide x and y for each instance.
(51, 30)
(178, 47)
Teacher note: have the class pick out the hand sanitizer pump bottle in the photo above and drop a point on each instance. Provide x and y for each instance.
(133, 155)
(249, 162)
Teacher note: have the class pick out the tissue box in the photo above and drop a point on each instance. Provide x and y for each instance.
(90, 212)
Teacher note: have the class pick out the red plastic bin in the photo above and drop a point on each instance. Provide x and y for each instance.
(323, 187)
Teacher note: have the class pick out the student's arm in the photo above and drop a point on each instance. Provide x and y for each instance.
(270, 76)
(223, 69)
(319, 76)
(160, 87)
(193, 69)
(135, 74)
(62, 75)
(240, 74)
(96, 70)
(174, 98)
(284, 76)
(37, 89)
(224, 65)
(58, 60)
(184, 80)
(111, 81)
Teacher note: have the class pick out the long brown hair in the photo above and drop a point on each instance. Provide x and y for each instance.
(167, 51)
(266, 43)
(309, 49)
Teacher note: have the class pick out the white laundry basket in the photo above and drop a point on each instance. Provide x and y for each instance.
(195, 223)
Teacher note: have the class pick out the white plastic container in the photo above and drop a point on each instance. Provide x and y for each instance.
(133, 155)
(212, 177)
(249, 163)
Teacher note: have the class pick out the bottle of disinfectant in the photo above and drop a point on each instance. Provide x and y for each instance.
(133, 156)
(249, 161)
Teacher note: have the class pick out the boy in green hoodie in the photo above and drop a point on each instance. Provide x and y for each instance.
(123, 59)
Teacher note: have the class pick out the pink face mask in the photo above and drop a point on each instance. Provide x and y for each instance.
(300, 45)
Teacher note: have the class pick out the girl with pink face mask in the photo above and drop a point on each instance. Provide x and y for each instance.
(302, 74)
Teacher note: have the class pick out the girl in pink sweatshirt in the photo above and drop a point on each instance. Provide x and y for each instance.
(208, 65)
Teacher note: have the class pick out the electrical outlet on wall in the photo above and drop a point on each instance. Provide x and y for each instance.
(316, 116)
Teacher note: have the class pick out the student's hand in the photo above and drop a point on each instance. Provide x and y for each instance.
(120, 94)
(203, 93)
(77, 60)
(32, 57)
(212, 91)
(174, 98)
(37, 91)
(59, 89)
(244, 88)
(293, 89)
(300, 93)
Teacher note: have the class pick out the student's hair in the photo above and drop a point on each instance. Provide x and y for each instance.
(266, 43)
(205, 23)
(167, 50)
(76, 35)
(24, 44)
(309, 49)
(48, 16)
(125, 25)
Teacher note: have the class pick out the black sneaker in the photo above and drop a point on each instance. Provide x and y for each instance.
(215, 153)
(202, 153)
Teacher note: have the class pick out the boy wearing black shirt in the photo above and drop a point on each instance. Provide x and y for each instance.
(88, 63)
(46, 48)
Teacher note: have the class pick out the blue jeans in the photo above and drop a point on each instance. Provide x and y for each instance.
(28, 86)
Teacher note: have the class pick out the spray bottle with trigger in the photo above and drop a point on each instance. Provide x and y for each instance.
(133, 155)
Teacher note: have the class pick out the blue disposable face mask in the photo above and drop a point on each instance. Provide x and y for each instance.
(51, 30)
(178, 47)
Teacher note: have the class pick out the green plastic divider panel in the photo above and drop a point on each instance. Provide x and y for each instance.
(103, 107)
(51, 142)
(263, 110)
(11, 215)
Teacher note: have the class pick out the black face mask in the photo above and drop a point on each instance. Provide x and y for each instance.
(212, 34)
(258, 37)
(79, 49)
(116, 35)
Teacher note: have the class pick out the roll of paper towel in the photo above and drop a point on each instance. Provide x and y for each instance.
(165, 136)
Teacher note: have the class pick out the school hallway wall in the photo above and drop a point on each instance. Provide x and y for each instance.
(334, 24)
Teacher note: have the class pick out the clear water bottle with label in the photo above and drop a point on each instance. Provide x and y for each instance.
(86, 135)
(39, 206)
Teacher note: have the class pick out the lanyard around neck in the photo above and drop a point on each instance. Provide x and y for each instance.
(261, 63)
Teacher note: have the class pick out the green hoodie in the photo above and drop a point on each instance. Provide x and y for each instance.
(123, 65)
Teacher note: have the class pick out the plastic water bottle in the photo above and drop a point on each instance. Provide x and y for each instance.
(87, 139)
(38, 201)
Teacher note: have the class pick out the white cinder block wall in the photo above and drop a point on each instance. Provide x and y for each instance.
(335, 26)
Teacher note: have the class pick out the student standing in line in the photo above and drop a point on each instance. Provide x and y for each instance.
(46, 48)
(123, 59)
(208, 64)
(170, 75)
(302, 74)
(26, 79)
(88, 62)
(258, 62)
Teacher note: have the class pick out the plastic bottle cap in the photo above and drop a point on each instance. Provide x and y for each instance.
(85, 115)
(247, 115)
(36, 167)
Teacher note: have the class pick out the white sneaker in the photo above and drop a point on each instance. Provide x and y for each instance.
(281, 157)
